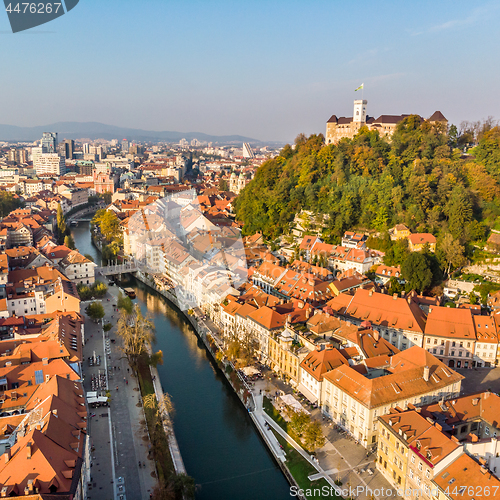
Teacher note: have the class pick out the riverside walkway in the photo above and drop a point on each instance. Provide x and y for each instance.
(118, 434)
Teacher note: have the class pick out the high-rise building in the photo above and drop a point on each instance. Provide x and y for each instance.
(49, 164)
(69, 148)
(86, 148)
(125, 146)
(247, 151)
(49, 142)
(12, 155)
(35, 153)
(97, 151)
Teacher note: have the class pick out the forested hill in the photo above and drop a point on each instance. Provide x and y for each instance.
(418, 179)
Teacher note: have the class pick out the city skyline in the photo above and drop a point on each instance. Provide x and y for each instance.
(263, 71)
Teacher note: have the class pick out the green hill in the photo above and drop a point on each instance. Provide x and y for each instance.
(417, 179)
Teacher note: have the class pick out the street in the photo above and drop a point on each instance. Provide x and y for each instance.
(118, 434)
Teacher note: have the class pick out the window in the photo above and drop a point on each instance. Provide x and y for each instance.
(413, 459)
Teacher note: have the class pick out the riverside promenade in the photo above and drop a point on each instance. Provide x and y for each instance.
(118, 434)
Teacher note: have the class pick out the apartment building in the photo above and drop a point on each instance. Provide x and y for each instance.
(410, 451)
(399, 320)
(77, 268)
(450, 335)
(355, 396)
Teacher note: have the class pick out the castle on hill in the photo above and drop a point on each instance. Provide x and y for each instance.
(339, 127)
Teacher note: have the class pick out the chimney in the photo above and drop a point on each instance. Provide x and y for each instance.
(45, 361)
(28, 450)
(486, 394)
(475, 401)
(426, 373)
(439, 427)
(394, 296)
(473, 437)
(484, 470)
(370, 293)
(453, 438)
(308, 313)
(47, 378)
(7, 455)
(54, 412)
(376, 335)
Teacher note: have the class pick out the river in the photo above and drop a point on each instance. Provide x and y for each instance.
(220, 447)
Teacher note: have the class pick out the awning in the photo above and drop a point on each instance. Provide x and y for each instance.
(250, 370)
(289, 400)
(307, 393)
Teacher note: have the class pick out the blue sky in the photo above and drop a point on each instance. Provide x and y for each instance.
(264, 69)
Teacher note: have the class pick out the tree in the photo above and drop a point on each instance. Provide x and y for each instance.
(88, 256)
(69, 242)
(95, 311)
(99, 289)
(84, 292)
(107, 196)
(125, 303)
(108, 223)
(453, 252)
(137, 333)
(313, 436)
(299, 420)
(156, 358)
(62, 228)
(395, 286)
(416, 270)
(107, 327)
(223, 185)
(8, 202)
(459, 211)
(453, 136)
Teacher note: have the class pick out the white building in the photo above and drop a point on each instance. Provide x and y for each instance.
(26, 303)
(78, 268)
(49, 164)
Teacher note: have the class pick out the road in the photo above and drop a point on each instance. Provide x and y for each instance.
(118, 434)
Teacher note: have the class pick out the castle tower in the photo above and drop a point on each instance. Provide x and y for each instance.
(359, 113)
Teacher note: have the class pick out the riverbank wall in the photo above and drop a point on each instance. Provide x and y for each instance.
(213, 346)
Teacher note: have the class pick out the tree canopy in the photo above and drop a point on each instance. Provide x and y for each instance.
(108, 223)
(368, 182)
(95, 310)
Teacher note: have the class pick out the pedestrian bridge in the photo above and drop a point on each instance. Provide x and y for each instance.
(112, 269)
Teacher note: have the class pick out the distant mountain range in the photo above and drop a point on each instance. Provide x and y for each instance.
(95, 130)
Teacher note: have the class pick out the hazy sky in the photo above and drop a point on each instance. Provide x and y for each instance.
(264, 69)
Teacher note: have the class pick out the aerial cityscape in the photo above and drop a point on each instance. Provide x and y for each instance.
(249, 251)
